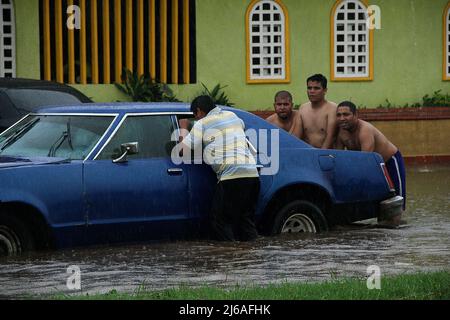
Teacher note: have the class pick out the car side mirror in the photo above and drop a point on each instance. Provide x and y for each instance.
(127, 149)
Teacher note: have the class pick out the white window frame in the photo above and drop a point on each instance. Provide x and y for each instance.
(268, 57)
(352, 52)
(11, 37)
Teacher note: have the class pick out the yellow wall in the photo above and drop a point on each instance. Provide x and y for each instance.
(418, 137)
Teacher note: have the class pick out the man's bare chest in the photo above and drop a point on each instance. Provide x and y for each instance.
(315, 122)
(350, 142)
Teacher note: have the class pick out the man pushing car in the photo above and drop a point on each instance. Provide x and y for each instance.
(221, 136)
(359, 135)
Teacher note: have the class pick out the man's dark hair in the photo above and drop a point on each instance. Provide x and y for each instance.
(283, 93)
(318, 78)
(204, 103)
(348, 104)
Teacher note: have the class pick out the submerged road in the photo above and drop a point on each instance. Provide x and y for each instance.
(422, 245)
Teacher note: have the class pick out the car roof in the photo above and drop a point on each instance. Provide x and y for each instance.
(28, 83)
(122, 108)
(22, 83)
(129, 107)
(118, 107)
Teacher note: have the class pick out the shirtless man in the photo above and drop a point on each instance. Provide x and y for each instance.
(359, 135)
(284, 117)
(317, 123)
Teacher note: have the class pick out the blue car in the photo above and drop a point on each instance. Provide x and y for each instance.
(108, 173)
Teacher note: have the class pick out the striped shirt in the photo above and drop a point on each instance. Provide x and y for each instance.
(221, 135)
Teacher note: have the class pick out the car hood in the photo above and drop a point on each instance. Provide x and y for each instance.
(12, 161)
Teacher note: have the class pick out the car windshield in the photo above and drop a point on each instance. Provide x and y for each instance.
(60, 136)
(30, 99)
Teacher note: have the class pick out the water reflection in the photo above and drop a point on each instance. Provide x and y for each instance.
(422, 245)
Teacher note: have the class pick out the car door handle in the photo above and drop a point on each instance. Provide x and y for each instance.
(175, 171)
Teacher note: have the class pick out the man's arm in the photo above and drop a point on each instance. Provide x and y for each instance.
(193, 140)
(184, 128)
(298, 127)
(331, 130)
(367, 140)
(271, 119)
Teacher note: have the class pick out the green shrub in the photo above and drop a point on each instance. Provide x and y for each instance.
(218, 95)
(437, 100)
(388, 105)
(143, 88)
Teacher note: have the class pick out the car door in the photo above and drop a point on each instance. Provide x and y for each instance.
(203, 180)
(144, 197)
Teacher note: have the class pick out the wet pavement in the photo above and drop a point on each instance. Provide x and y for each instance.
(422, 245)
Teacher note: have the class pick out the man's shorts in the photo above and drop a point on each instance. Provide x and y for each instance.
(396, 169)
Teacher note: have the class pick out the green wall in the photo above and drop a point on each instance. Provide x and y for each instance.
(407, 53)
(27, 38)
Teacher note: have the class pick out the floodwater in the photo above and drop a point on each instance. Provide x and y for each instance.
(422, 245)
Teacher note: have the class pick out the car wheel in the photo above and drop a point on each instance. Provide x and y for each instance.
(299, 217)
(14, 237)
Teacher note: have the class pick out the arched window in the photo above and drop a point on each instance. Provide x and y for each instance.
(7, 39)
(446, 64)
(267, 42)
(351, 39)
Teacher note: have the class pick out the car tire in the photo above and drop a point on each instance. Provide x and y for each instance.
(15, 237)
(299, 216)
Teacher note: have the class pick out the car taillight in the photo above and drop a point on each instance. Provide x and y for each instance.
(387, 177)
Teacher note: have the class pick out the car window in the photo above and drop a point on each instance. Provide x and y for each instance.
(7, 110)
(153, 133)
(27, 100)
(69, 137)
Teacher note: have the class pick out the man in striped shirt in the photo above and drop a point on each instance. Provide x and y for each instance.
(221, 136)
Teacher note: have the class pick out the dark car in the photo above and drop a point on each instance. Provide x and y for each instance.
(103, 173)
(18, 97)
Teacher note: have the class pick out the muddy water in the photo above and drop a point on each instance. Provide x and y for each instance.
(422, 245)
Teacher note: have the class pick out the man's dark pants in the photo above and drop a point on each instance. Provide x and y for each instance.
(233, 209)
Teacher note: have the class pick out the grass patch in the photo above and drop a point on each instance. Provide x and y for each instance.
(421, 286)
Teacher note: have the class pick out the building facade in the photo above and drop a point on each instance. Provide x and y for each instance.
(371, 51)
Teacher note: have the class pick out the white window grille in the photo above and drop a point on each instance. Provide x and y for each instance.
(7, 39)
(351, 41)
(447, 44)
(267, 42)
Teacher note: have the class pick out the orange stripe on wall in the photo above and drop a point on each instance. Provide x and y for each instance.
(47, 48)
(140, 47)
(71, 50)
(83, 60)
(118, 40)
(186, 44)
(94, 42)
(163, 40)
(59, 41)
(106, 44)
(152, 44)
